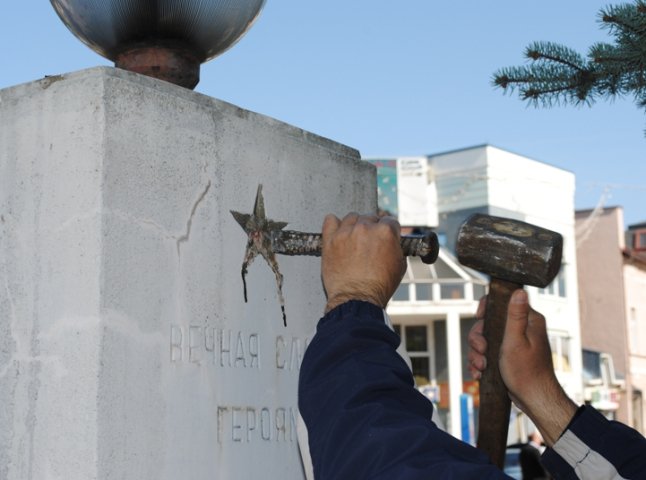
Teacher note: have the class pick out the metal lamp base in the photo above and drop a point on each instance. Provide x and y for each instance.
(172, 64)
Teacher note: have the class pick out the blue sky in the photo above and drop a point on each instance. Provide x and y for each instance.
(392, 81)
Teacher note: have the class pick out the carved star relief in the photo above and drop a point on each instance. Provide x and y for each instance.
(257, 227)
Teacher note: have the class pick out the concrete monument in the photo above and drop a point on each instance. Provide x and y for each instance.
(127, 350)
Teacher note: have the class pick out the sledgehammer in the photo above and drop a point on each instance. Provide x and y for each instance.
(514, 254)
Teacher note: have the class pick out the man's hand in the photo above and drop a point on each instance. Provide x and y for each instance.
(361, 259)
(526, 367)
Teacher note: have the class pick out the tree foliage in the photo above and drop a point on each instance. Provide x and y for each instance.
(558, 74)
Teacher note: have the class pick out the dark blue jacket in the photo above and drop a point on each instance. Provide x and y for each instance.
(365, 419)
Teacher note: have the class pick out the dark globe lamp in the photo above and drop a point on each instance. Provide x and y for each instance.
(165, 39)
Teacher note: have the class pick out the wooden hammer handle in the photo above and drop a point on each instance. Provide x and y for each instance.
(495, 406)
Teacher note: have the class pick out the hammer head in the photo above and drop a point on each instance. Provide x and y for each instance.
(510, 249)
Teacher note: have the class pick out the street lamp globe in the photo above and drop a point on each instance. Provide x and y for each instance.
(166, 39)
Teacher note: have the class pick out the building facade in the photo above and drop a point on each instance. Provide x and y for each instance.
(435, 320)
(612, 281)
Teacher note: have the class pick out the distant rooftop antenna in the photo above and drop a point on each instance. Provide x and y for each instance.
(165, 39)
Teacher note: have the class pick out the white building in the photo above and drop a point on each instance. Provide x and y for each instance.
(434, 308)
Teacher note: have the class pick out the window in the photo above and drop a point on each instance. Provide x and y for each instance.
(423, 292)
(402, 293)
(640, 240)
(452, 291)
(557, 288)
(591, 367)
(443, 281)
(560, 346)
(416, 340)
(479, 291)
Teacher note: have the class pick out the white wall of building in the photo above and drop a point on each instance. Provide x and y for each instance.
(498, 182)
(509, 184)
(635, 286)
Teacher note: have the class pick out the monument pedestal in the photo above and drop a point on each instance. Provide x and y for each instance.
(126, 348)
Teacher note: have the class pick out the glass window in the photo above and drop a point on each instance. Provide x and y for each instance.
(452, 291)
(591, 366)
(565, 354)
(561, 283)
(557, 287)
(560, 347)
(402, 293)
(421, 370)
(641, 240)
(416, 339)
(479, 291)
(423, 292)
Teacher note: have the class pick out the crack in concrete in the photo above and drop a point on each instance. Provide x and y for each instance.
(189, 223)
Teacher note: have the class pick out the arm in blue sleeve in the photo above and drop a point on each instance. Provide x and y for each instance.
(592, 447)
(363, 415)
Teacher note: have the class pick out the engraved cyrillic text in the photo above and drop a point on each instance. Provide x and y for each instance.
(204, 345)
(243, 425)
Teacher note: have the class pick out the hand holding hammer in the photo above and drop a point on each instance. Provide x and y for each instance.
(514, 254)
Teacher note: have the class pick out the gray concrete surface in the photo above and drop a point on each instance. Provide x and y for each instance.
(126, 348)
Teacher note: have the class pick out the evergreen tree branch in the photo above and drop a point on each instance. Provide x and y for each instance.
(557, 73)
(551, 52)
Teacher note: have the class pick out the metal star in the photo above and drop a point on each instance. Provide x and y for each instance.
(257, 227)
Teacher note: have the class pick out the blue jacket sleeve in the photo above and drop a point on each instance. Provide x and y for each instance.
(594, 447)
(364, 417)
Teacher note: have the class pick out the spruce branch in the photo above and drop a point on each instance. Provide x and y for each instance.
(556, 73)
